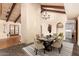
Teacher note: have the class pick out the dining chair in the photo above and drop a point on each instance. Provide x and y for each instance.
(58, 42)
(38, 45)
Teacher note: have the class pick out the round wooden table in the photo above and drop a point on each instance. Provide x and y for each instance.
(47, 43)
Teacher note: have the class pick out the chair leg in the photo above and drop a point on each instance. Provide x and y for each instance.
(36, 51)
(51, 48)
(44, 51)
(61, 45)
(59, 50)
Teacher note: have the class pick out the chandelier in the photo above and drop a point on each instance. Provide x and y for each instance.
(45, 14)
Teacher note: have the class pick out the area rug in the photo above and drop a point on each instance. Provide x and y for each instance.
(66, 50)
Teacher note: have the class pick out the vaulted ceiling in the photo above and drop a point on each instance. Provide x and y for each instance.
(10, 12)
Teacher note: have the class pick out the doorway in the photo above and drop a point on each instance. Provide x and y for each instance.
(71, 31)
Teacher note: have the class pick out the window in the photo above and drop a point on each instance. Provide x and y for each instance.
(14, 30)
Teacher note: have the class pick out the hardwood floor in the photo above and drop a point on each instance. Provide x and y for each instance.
(75, 50)
(8, 42)
(13, 47)
(15, 50)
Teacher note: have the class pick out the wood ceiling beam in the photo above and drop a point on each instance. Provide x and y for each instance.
(17, 18)
(13, 5)
(63, 12)
(52, 6)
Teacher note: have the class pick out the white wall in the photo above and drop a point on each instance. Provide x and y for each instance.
(72, 10)
(30, 21)
(4, 35)
(54, 19)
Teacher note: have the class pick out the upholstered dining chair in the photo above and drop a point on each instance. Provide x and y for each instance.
(38, 44)
(58, 43)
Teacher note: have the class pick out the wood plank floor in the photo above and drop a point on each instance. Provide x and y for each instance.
(8, 42)
(15, 50)
(75, 50)
(13, 47)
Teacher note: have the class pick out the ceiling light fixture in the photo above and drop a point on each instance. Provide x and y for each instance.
(45, 15)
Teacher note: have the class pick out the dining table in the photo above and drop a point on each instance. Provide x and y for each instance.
(47, 42)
